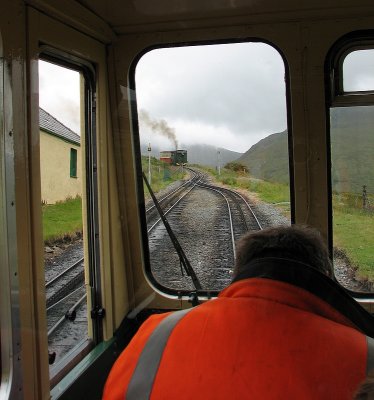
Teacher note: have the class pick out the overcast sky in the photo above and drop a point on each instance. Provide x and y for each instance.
(59, 94)
(228, 95)
(358, 71)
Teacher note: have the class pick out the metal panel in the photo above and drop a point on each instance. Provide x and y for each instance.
(11, 379)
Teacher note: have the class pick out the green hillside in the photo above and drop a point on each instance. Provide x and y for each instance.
(352, 145)
(268, 159)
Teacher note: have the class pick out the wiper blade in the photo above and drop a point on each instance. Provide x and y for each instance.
(182, 256)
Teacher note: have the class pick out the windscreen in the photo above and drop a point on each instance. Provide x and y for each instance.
(214, 152)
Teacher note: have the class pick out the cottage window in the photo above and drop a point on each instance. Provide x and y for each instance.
(73, 163)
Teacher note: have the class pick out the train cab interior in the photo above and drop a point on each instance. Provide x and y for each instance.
(319, 61)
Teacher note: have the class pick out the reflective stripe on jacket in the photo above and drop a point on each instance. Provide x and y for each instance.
(261, 339)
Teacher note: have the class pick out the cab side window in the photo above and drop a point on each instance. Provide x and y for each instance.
(352, 164)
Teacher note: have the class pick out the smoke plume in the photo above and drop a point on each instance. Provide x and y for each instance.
(159, 126)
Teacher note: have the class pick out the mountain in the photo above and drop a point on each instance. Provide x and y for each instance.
(202, 154)
(268, 158)
(352, 147)
(205, 154)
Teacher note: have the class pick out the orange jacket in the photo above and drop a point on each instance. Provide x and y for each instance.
(260, 339)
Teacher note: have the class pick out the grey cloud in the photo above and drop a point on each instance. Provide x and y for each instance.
(158, 126)
(240, 87)
(358, 70)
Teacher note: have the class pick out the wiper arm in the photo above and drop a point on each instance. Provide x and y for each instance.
(182, 256)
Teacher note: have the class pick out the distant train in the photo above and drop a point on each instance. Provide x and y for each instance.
(176, 157)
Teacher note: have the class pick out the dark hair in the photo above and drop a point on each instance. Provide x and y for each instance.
(299, 243)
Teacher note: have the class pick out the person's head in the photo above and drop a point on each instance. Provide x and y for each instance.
(299, 243)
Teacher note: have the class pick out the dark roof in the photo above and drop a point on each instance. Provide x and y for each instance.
(51, 125)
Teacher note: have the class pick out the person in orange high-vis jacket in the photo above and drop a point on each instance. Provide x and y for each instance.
(282, 330)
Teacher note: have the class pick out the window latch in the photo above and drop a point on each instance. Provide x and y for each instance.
(98, 313)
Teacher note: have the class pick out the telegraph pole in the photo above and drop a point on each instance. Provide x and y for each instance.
(364, 197)
(218, 161)
(149, 163)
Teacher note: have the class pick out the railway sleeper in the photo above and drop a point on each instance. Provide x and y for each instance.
(73, 284)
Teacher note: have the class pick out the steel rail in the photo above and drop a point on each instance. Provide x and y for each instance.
(166, 212)
(72, 312)
(182, 256)
(61, 292)
(173, 192)
(63, 318)
(242, 198)
(64, 272)
(249, 207)
(230, 216)
(64, 298)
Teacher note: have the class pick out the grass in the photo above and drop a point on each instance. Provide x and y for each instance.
(277, 194)
(162, 175)
(62, 219)
(353, 229)
(353, 226)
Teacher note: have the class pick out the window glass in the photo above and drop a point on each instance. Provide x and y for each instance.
(352, 146)
(214, 148)
(352, 176)
(62, 150)
(358, 69)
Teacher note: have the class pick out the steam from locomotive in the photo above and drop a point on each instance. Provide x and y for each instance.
(158, 126)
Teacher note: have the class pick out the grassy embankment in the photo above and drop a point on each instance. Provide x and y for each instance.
(64, 219)
(274, 193)
(353, 226)
(353, 231)
(162, 175)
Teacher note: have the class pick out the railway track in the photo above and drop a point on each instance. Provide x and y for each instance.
(64, 283)
(66, 310)
(169, 201)
(208, 220)
(243, 217)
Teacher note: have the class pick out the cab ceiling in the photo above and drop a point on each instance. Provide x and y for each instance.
(130, 16)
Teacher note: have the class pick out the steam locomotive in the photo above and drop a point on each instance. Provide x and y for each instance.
(174, 157)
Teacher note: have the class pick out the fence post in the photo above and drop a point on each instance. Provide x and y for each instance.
(364, 197)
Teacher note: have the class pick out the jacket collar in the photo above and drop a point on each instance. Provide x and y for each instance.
(309, 279)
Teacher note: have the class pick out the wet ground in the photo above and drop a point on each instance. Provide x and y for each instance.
(71, 333)
(59, 256)
(346, 275)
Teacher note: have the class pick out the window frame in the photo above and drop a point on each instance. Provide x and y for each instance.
(186, 293)
(94, 289)
(11, 383)
(336, 97)
(335, 60)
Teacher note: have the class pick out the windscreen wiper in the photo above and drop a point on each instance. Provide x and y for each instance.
(182, 256)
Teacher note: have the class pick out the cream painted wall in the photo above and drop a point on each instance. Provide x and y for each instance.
(56, 183)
